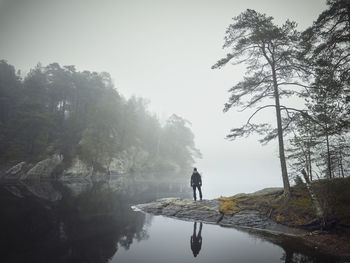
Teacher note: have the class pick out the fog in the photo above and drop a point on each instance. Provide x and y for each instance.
(161, 50)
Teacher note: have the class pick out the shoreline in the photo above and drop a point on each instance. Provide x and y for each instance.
(250, 220)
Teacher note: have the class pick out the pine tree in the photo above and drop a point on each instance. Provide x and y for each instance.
(270, 53)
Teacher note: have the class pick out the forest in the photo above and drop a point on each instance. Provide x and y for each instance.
(304, 77)
(59, 110)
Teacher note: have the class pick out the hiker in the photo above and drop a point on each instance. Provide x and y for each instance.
(196, 182)
(196, 240)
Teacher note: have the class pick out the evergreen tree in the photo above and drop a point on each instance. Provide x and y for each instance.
(80, 114)
(270, 53)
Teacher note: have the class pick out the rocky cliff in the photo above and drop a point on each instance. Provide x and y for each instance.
(54, 167)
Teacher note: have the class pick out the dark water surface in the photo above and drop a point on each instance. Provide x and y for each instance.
(83, 222)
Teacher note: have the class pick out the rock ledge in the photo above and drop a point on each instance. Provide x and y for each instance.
(207, 211)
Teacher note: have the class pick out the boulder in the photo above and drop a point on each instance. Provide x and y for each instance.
(77, 170)
(120, 165)
(17, 171)
(44, 168)
(205, 210)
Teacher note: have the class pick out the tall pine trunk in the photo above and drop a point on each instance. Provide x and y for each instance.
(329, 168)
(348, 14)
(341, 164)
(310, 167)
(286, 185)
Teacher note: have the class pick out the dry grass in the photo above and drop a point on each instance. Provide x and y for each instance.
(334, 196)
(229, 207)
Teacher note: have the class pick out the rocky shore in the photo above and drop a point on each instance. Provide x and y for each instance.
(248, 213)
(207, 211)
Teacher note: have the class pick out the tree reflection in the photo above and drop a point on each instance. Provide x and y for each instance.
(295, 250)
(88, 227)
(292, 256)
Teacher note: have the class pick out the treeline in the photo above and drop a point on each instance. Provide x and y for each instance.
(285, 66)
(56, 109)
(320, 140)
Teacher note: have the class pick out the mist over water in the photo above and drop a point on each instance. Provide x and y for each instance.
(241, 166)
(162, 51)
(222, 183)
(106, 104)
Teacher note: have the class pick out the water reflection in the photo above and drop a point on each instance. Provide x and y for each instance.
(85, 222)
(196, 239)
(73, 222)
(294, 250)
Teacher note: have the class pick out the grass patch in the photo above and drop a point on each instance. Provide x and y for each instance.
(229, 207)
(333, 195)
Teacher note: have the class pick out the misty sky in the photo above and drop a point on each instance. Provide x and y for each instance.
(161, 50)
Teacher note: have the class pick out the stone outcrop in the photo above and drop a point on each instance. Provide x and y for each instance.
(17, 171)
(132, 160)
(120, 165)
(44, 168)
(78, 169)
(207, 211)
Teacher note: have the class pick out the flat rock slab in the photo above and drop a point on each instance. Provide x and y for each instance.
(207, 211)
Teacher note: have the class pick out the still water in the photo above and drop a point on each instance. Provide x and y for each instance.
(84, 222)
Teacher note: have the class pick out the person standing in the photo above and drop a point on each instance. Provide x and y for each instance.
(196, 182)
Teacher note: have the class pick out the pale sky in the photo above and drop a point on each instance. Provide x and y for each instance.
(161, 50)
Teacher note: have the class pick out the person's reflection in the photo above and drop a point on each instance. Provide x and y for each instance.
(196, 240)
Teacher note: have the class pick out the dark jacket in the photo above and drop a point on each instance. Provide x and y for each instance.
(196, 179)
